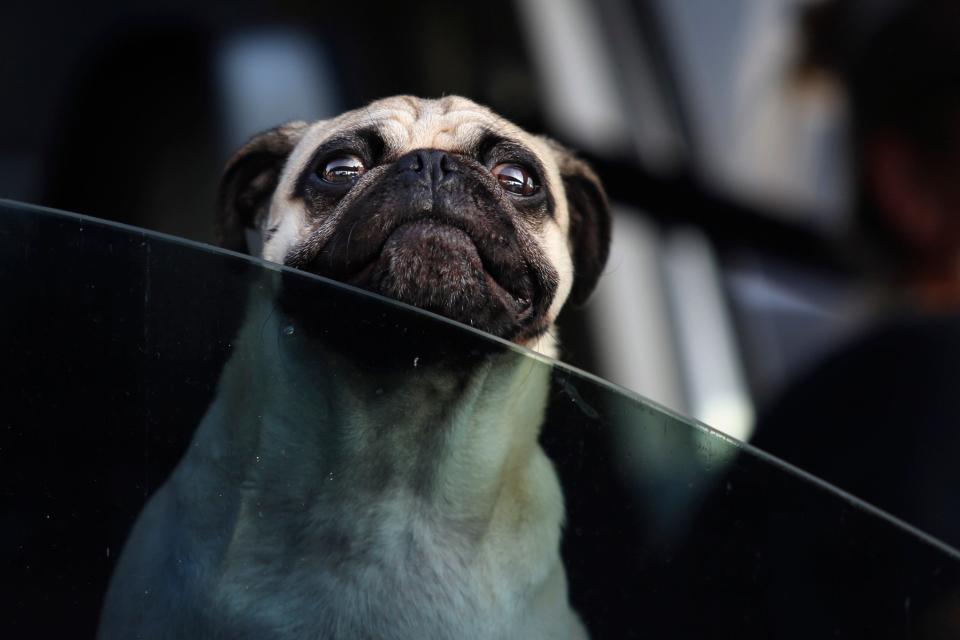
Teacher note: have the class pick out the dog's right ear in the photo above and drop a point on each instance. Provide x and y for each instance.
(590, 220)
(249, 181)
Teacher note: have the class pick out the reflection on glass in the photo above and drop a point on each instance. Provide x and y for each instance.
(359, 473)
(203, 445)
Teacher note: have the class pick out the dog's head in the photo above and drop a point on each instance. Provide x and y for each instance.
(441, 204)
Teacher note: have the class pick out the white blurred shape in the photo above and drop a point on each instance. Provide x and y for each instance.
(716, 388)
(270, 77)
(790, 142)
(758, 133)
(630, 310)
(580, 89)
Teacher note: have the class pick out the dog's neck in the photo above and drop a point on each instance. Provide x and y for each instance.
(387, 503)
(304, 426)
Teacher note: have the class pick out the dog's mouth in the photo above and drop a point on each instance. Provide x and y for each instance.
(438, 265)
(430, 255)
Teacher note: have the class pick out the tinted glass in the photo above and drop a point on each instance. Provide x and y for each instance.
(117, 343)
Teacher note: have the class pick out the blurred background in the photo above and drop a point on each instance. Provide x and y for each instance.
(729, 276)
(785, 184)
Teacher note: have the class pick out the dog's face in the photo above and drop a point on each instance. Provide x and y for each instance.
(441, 204)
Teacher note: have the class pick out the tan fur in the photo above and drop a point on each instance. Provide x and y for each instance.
(407, 123)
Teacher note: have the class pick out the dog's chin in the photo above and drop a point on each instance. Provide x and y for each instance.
(438, 267)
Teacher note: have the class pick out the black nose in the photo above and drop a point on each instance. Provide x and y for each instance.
(428, 166)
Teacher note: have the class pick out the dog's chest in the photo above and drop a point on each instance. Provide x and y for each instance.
(407, 578)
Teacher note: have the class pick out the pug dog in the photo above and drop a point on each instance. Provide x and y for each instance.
(358, 480)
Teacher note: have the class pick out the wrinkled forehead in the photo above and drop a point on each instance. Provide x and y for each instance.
(450, 124)
(405, 123)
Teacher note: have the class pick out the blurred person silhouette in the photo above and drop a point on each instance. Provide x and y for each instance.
(880, 417)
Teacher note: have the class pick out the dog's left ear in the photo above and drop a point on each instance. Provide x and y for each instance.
(248, 183)
(589, 233)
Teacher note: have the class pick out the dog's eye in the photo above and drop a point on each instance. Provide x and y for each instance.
(343, 169)
(515, 179)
